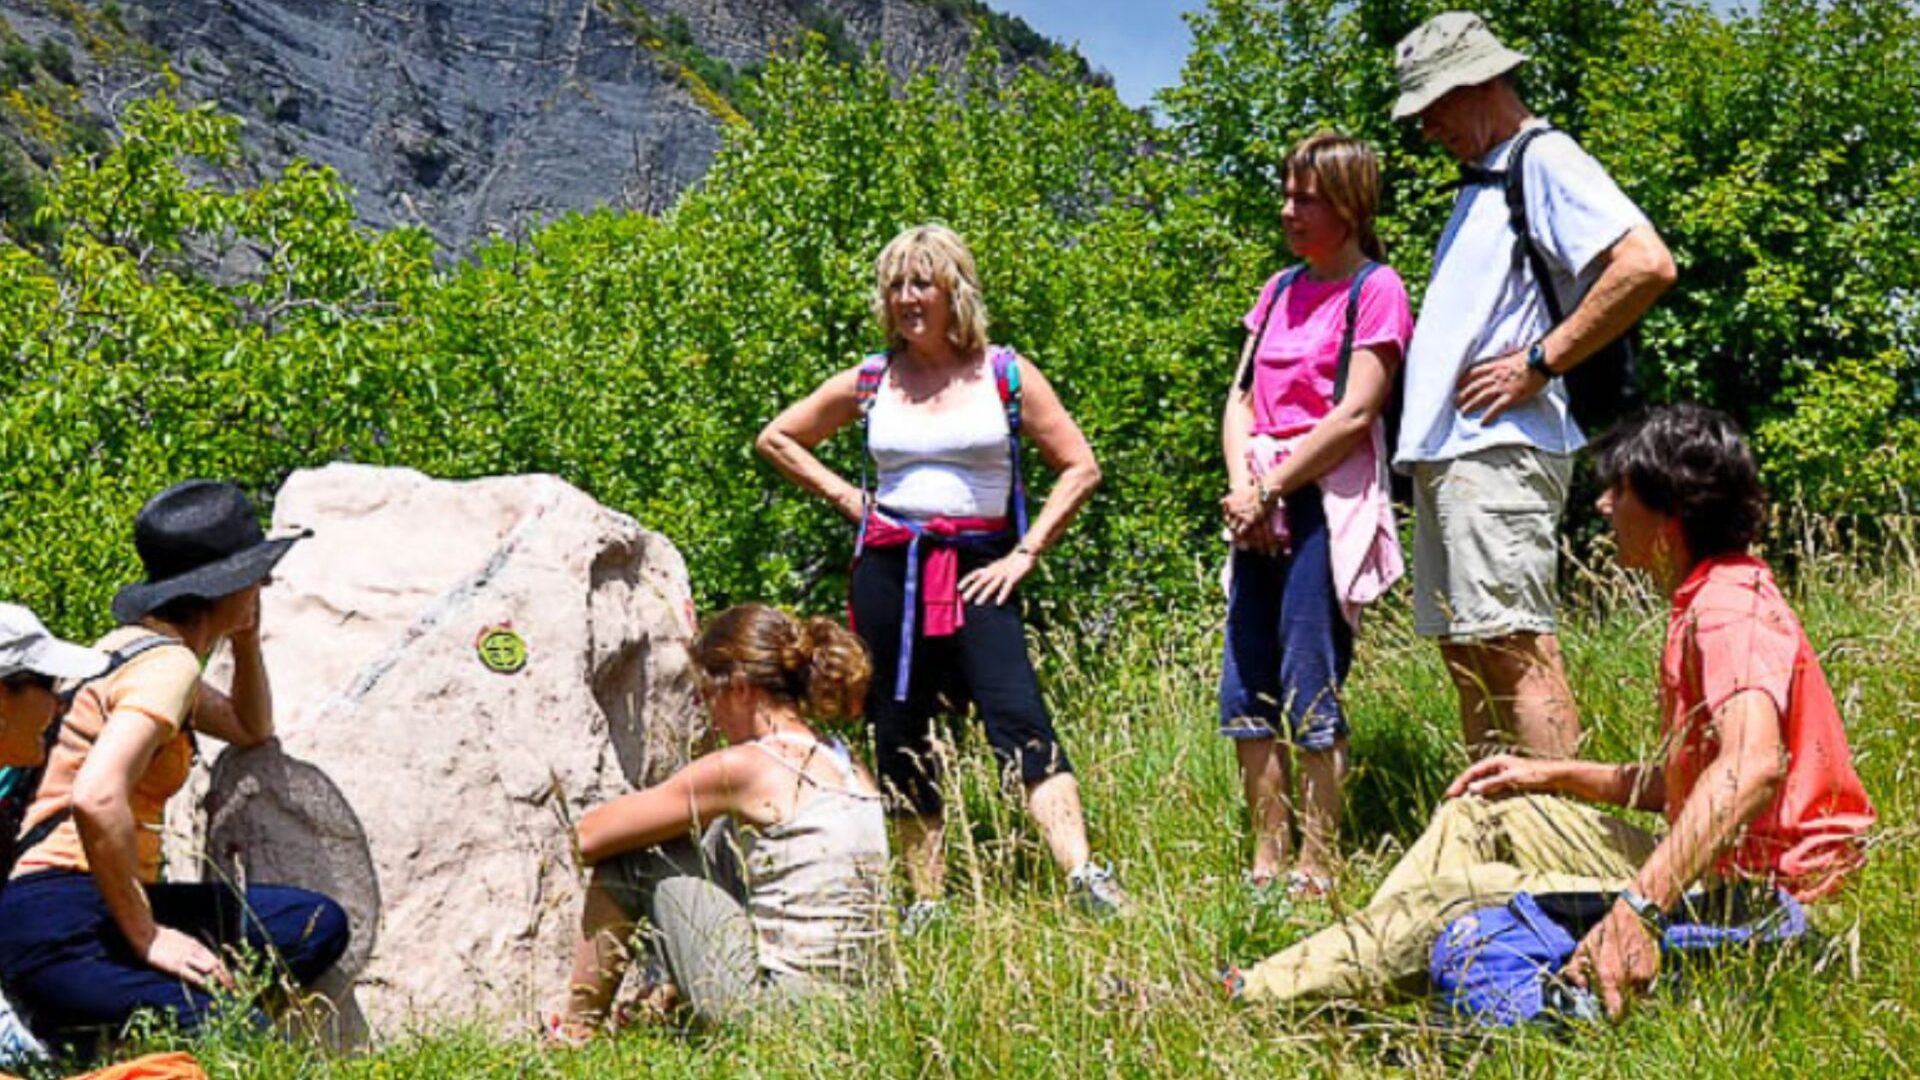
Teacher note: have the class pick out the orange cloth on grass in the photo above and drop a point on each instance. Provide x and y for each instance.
(174, 1066)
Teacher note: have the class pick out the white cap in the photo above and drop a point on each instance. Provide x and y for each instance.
(26, 645)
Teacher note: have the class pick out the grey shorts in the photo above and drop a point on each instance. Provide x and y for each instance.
(1486, 539)
(633, 878)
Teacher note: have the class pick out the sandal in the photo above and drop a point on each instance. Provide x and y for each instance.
(1266, 891)
(1304, 886)
(564, 1034)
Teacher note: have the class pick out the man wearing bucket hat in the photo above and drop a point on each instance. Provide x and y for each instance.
(88, 933)
(1486, 432)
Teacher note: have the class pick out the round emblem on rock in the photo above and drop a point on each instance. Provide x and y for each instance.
(501, 649)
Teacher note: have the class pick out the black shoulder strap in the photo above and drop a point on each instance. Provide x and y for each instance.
(1524, 247)
(1287, 277)
(116, 660)
(1353, 318)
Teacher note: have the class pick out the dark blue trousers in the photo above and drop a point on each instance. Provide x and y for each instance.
(1288, 645)
(64, 962)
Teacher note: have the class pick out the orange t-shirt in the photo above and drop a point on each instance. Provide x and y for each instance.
(1731, 631)
(155, 687)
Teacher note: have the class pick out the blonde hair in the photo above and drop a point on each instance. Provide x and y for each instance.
(1348, 173)
(938, 253)
(816, 664)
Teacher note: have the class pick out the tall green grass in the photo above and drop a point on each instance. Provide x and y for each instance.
(1017, 984)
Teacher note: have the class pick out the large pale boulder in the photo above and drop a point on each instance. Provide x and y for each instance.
(428, 791)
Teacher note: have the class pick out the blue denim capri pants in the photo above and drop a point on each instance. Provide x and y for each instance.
(1288, 647)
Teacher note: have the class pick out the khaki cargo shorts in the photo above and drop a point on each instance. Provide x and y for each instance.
(1486, 541)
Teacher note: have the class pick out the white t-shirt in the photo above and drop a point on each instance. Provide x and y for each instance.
(1480, 305)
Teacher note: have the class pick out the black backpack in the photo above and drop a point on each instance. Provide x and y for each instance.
(1605, 386)
(19, 784)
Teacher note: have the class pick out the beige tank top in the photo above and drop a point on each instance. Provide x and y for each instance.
(817, 883)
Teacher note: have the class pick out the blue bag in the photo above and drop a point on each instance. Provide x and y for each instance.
(1500, 966)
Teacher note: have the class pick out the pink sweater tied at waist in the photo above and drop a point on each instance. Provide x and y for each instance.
(1362, 541)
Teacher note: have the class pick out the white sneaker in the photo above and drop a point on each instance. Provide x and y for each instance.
(921, 915)
(1096, 892)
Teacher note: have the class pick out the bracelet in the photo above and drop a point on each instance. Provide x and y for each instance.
(1023, 549)
(1269, 496)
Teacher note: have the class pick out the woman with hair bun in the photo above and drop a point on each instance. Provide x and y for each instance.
(760, 868)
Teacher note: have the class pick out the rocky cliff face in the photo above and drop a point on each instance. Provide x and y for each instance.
(478, 117)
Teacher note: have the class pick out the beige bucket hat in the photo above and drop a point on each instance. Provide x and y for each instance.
(1450, 50)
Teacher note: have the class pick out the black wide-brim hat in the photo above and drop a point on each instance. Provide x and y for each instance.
(197, 538)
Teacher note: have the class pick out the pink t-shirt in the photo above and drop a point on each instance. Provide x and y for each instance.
(1731, 631)
(1295, 364)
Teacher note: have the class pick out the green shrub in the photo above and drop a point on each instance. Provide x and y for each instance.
(55, 60)
(17, 63)
(637, 357)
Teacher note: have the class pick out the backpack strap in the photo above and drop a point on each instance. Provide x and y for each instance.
(866, 389)
(866, 384)
(116, 660)
(1006, 381)
(1514, 182)
(1353, 318)
(1280, 288)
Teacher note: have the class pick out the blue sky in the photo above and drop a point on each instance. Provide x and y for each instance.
(1141, 42)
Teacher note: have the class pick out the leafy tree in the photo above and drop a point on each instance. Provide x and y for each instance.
(1775, 150)
(167, 323)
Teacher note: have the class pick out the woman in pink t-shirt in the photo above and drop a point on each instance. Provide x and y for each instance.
(1307, 501)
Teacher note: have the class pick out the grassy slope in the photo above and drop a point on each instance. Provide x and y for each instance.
(1017, 985)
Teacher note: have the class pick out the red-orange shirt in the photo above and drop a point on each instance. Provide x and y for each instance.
(1731, 631)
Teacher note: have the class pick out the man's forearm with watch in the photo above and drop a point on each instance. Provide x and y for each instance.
(1635, 271)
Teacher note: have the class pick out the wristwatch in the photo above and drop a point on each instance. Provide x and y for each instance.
(1537, 360)
(1648, 911)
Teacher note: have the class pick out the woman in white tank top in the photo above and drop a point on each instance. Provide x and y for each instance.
(945, 543)
(761, 868)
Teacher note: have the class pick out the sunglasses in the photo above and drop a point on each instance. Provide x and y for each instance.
(21, 680)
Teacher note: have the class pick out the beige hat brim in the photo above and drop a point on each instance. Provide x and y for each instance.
(1481, 69)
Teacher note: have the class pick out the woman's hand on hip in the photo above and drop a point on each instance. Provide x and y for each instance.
(852, 503)
(995, 582)
(176, 954)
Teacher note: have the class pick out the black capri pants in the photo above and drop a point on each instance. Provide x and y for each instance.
(984, 663)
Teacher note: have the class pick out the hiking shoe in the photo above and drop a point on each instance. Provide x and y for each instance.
(1096, 892)
(920, 916)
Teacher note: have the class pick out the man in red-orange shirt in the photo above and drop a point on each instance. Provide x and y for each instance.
(1756, 781)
